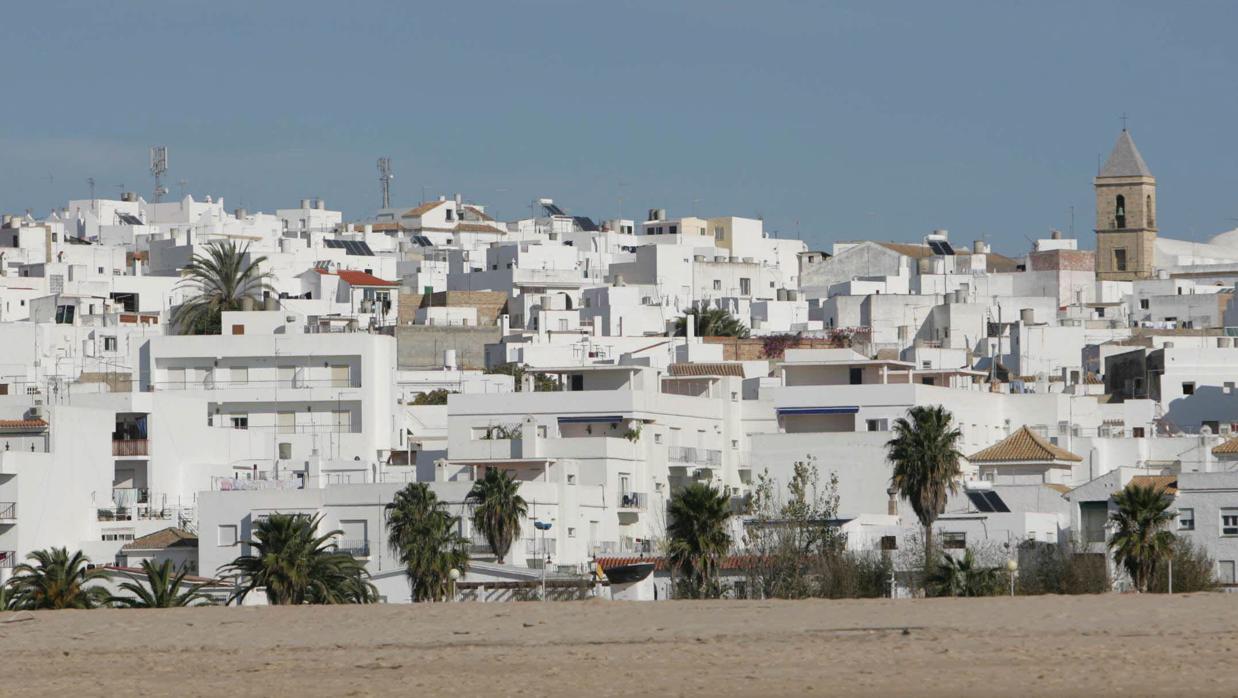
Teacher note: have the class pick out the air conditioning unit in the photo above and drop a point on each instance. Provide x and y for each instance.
(1225, 429)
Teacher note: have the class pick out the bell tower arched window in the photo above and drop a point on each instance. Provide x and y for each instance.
(1147, 212)
(1119, 213)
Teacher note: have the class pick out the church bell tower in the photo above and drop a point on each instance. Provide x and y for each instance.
(1125, 215)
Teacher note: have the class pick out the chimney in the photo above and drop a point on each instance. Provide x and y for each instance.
(892, 505)
(305, 203)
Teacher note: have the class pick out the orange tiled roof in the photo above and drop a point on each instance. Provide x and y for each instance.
(1023, 446)
(707, 369)
(730, 562)
(360, 278)
(424, 208)
(167, 538)
(1229, 448)
(22, 423)
(476, 228)
(1169, 483)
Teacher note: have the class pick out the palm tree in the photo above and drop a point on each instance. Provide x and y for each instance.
(162, 589)
(925, 455)
(962, 577)
(698, 537)
(423, 533)
(1139, 539)
(497, 510)
(711, 322)
(296, 565)
(223, 280)
(56, 580)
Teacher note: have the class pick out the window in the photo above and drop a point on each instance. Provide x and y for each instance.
(717, 284)
(109, 344)
(953, 540)
(1119, 213)
(1186, 519)
(571, 532)
(745, 287)
(238, 329)
(286, 422)
(1137, 432)
(657, 438)
(889, 543)
(1188, 388)
(1229, 387)
(1143, 304)
(1229, 522)
(340, 376)
(674, 230)
(1225, 572)
(719, 233)
(563, 324)
(240, 421)
(571, 478)
(856, 376)
(1119, 260)
(239, 375)
(227, 535)
(1149, 219)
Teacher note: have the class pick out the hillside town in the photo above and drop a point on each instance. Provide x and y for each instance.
(180, 376)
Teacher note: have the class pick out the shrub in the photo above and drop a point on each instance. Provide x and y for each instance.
(1193, 570)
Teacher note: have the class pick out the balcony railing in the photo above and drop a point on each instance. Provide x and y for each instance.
(8, 510)
(633, 501)
(8, 559)
(130, 447)
(539, 547)
(697, 456)
(231, 484)
(290, 383)
(356, 548)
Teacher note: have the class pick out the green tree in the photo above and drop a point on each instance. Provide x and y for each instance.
(1140, 539)
(295, 565)
(925, 455)
(698, 538)
(433, 397)
(222, 280)
(423, 533)
(54, 579)
(711, 322)
(962, 576)
(497, 510)
(161, 590)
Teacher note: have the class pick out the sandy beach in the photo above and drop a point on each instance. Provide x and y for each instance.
(1134, 645)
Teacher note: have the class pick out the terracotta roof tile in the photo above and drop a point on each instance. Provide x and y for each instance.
(360, 278)
(167, 538)
(1169, 483)
(424, 208)
(1023, 446)
(1229, 448)
(730, 562)
(707, 369)
(477, 228)
(23, 423)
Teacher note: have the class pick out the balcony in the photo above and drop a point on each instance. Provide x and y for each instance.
(355, 548)
(8, 559)
(8, 513)
(130, 448)
(633, 501)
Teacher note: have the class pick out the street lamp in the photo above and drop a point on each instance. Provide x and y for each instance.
(543, 526)
(1012, 566)
(454, 575)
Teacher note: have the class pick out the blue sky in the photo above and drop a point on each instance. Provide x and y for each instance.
(831, 120)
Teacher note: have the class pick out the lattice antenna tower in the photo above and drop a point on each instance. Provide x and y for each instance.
(159, 168)
(384, 179)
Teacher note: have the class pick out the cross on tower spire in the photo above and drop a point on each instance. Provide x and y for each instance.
(1123, 117)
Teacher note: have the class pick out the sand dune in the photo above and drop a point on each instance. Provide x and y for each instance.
(1135, 645)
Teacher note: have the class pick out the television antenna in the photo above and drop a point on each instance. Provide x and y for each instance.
(159, 168)
(91, 182)
(384, 179)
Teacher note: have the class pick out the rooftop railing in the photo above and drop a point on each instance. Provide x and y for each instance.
(8, 559)
(356, 548)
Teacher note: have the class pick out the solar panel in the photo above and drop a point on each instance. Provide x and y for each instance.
(333, 243)
(978, 500)
(940, 247)
(351, 247)
(553, 210)
(585, 224)
(129, 219)
(423, 241)
(996, 502)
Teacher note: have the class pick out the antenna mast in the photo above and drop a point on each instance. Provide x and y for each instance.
(384, 178)
(159, 168)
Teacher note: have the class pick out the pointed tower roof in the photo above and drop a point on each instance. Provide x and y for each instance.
(1024, 446)
(1125, 160)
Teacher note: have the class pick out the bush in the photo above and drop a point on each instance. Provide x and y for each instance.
(1047, 568)
(852, 575)
(433, 397)
(1193, 570)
